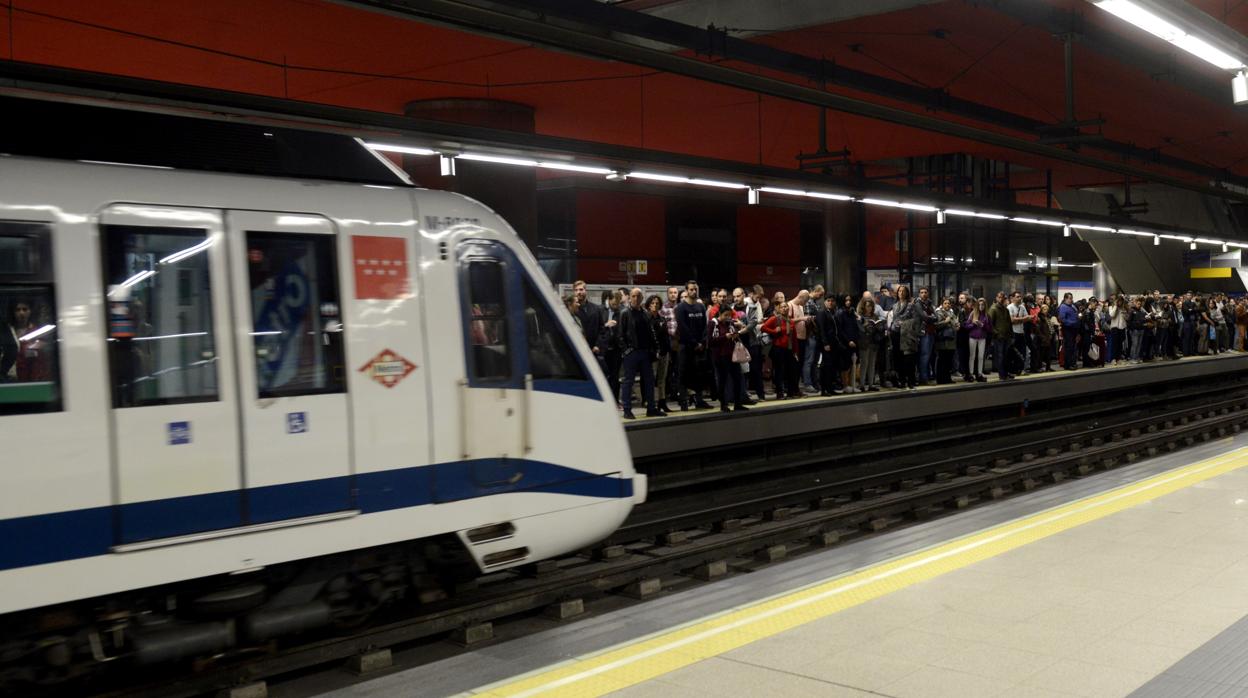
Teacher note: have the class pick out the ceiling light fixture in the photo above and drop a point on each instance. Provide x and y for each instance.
(1037, 221)
(404, 149)
(976, 214)
(752, 197)
(1146, 19)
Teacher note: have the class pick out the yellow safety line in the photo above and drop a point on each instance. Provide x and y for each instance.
(616, 668)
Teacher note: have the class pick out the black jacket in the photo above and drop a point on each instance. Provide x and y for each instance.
(636, 331)
(691, 324)
(592, 320)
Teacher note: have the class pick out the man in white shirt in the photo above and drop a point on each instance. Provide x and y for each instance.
(1019, 316)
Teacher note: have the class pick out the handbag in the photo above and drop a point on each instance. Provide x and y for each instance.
(740, 354)
(1213, 332)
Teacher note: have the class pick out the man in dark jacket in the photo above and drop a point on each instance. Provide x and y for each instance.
(691, 329)
(592, 321)
(829, 344)
(1187, 332)
(1068, 317)
(1002, 336)
(638, 346)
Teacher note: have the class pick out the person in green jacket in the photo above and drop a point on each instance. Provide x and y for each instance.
(1002, 336)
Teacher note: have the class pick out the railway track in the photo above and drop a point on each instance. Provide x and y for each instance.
(759, 517)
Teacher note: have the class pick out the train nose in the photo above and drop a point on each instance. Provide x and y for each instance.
(640, 485)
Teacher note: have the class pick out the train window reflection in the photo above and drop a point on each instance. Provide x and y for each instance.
(550, 355)
(159, 297)
(298, 332)
(487, 331)
(29, 370)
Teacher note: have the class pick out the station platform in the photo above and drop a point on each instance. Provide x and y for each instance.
(702, 429)
(1132, 581)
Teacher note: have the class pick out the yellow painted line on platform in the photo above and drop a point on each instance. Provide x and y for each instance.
(639, 660)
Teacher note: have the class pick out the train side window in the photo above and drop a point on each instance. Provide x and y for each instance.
(487, 332)
(29, 370)
(297, 331)
(550, 355)
(160, 325)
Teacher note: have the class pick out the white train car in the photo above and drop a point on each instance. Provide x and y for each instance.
(213, 374)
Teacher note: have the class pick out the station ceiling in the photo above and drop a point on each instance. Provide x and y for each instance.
(1004, 56)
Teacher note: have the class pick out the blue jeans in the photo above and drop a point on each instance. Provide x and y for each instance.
(925, 357)
(808, 361)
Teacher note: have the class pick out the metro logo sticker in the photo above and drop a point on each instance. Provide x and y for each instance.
(388, 368)
(381, 269)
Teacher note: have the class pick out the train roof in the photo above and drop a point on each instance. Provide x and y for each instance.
(71, 131)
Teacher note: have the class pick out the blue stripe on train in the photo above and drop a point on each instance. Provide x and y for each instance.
(69, 535)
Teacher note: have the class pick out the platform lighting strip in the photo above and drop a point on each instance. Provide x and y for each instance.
(616, 174)
(1141, 17)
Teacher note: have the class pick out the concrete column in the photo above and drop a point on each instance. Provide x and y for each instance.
(842, 249)
(509, 190)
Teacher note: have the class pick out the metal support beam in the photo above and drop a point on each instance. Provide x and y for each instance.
(534, 26)
(64, 84)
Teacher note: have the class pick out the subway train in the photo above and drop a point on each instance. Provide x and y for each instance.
(234, 408)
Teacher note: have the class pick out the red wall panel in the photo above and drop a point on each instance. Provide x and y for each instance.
(615, 226)
(787, 277)
(768, 235)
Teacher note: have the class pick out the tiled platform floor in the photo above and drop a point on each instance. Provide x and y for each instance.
(1098, 610)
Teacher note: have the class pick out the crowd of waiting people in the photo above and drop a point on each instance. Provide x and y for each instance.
(688, 349)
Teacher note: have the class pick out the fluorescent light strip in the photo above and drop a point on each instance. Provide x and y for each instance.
(975, 214)
(717, 183)
(1144, 19)
(782, 192)
(497, 159)
(36, 333)
(832, 197)
(406, 150)
(171, 336)
(1037, 221)
(655, 177)
(132, 281)
(899, 204)
(1137, 233)
(1099, 228)
(188, 252)
(1180, 238)
(568, 167)
(1207, 241)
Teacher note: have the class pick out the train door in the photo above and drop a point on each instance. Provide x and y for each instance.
(296, 439)
(494, 390)
(174, 417)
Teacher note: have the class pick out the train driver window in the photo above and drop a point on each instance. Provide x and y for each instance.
(298, 333)
(158, 292)
(29, 371)
(487, 329)
(550, 355)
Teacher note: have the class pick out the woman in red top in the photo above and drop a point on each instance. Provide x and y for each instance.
(783, 351)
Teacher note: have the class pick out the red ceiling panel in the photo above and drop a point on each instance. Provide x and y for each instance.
(324, 52)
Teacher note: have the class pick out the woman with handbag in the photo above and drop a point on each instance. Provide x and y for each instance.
(724, 341)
